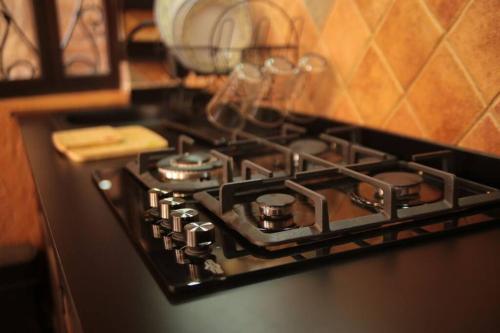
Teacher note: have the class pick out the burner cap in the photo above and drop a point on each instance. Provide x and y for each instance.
(405, 184)
(410, 190)
(191, 160)
(275, 205)
(272, 225)
(309, 146)
(197, 165)
(400, 178)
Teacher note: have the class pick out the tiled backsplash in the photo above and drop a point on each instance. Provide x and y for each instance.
(425, 68)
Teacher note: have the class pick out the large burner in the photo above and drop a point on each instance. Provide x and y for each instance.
(197, 165)
(410, 190)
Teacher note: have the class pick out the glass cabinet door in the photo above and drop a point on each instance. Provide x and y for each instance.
(19, 51)
(49, 46)
(83, 37)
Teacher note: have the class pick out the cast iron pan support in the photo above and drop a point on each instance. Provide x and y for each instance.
(182, 142)
(337, 142)
(449, 180)
(248, 166)
(321, 218)
(288, 128)
(446, 157)
(227, 166)
(144, 160)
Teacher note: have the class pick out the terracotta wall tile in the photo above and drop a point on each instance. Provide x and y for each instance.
(403, 121)
(373, 90)
(444, 99)
(476, 38)
(317, 95)
(343, 109)
(484, 136)
(373, 10)
(309, 32)
(319, 10)
(446, 11)
(496, 109)
(281, 31)
(444, 53)
(407, 37)
(346, 34)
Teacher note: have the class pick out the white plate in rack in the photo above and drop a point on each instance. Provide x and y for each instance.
(191, 27)
(164, 14)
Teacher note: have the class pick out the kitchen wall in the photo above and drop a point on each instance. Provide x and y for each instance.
(19, 219)
(19, 209)
(424, 68)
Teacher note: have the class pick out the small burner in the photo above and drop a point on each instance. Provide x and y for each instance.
(275, 205)
(309, 146)
(197, 165)
(410, 189)
(271, 225)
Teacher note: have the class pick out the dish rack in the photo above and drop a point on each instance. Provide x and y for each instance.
(273, 33)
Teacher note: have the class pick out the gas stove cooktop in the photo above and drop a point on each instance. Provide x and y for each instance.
(212, 214)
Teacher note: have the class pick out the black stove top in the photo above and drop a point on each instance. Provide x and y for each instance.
(210, 211)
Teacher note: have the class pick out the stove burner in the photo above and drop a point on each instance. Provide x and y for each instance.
(410, 189)
(406, 184)
(190, 160)
(309, 146)
(197, 165)
(271, 225)
(275, 205)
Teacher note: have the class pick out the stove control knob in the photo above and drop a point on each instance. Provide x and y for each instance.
(181, 217)
(169, 204)
(155, 195)
(199, 234)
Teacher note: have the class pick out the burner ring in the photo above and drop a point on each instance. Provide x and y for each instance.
(195, 165)
(275, 205)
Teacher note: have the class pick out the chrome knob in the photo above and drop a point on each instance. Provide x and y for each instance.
(181, 217)
(155, 194)
(169, 204)
(199, 234)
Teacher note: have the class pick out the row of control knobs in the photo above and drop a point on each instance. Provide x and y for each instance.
(182, 221)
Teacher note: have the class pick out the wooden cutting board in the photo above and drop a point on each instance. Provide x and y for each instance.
(101, 143)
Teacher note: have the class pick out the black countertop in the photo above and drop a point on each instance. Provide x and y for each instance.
(448, 284)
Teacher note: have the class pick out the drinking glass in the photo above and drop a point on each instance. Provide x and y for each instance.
(313, 89)
(280, 76)
(244, 86)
